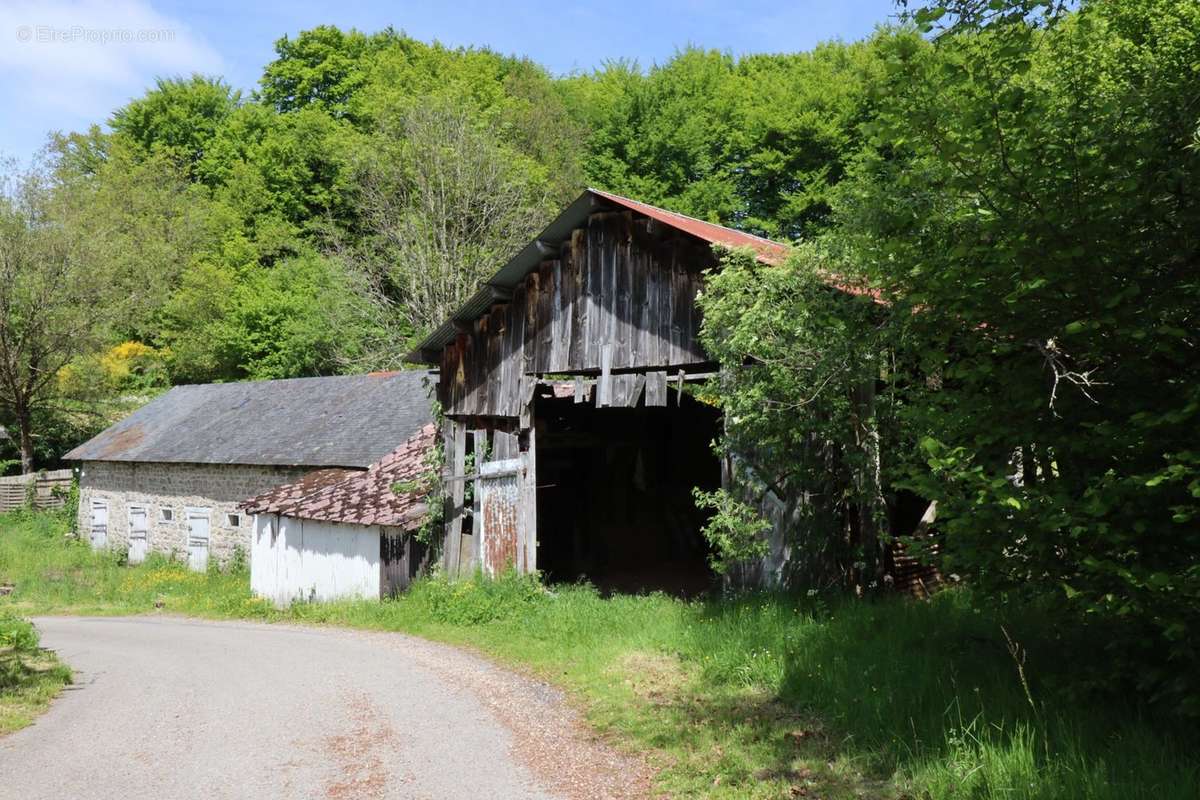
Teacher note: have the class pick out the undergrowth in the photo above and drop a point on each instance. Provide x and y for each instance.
(748, 697)
(30, 677)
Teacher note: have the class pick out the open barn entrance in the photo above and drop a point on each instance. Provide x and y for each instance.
(614, 494)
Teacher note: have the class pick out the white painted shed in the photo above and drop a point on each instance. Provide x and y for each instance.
(337, 535)
(313, 560)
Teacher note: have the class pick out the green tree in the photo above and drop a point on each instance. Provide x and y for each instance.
(755, 142)
(1029, 204)
(70, 280)
(179, 117)
(323, 68)
(441, 205)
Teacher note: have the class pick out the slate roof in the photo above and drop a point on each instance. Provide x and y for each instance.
(360, 498)
(344, 421)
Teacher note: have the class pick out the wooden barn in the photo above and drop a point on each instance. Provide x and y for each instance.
(562, 383)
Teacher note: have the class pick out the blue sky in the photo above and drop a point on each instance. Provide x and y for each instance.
(65, 64)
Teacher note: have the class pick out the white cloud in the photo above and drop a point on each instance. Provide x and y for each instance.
(65, 64)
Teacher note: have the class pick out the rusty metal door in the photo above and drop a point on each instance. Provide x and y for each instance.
(500, 506)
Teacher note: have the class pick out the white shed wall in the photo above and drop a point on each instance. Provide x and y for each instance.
(294, 559)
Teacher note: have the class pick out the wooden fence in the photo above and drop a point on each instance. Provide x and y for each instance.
(15, 490)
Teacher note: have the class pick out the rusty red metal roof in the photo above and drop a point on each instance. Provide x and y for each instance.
(767, 251)
(390, 492)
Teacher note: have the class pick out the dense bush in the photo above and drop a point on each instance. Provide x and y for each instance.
(1026, 204)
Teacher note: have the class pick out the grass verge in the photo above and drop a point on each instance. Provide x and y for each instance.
(30, 677)
(753, 697)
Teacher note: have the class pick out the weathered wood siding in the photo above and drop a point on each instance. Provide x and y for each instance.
(619, 296)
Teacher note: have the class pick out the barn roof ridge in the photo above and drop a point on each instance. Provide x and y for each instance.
(516, 268)
(339, 421)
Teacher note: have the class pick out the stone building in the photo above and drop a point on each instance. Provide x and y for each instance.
(169, 477)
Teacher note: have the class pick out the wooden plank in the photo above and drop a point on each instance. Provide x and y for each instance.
(518, 323)
(695, 351)
(565, 314)
(604, 384)
(663, 321)
(503, 372)
(609, 300)
(545, 306)
(677, 311)
(479, 447)
(456, 450)
(483, 357)
(527, 543)
(638, 318)
(635, 390)
(656, 389)
(622, 307)
(504, 446)
(576, 354)
(558, 341)
(579, 391)
(533, 289)
(529, 332)
(679, 379)
(592, 323)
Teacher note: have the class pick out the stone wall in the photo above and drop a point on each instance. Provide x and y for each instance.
(216, 487)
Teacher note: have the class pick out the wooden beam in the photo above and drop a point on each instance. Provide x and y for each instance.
(479, 445)
(527, 540)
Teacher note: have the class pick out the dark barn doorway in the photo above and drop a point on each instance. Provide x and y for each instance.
(615, 503)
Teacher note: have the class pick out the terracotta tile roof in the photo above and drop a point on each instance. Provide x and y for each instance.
(359, 498)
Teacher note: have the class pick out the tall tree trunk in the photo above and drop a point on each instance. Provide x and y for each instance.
(25, 428)
(872, 507)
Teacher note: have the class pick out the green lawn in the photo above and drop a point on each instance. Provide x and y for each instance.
(755, 697)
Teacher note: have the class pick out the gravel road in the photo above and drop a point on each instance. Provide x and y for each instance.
(165, 707)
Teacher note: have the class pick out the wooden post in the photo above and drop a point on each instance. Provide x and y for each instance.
(456, 457)
(527, 545)
(479, 445)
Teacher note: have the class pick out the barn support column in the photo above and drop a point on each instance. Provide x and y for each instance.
(527, 548)
(455, 442)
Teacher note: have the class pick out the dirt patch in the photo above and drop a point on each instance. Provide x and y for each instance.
(359, 754)
(656, 678)
(550, 737)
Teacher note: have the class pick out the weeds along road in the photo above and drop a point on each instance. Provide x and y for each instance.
(165, 707)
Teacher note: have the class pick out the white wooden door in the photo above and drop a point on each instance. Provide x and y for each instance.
(139, 534)
(197, 542)
(99, 532)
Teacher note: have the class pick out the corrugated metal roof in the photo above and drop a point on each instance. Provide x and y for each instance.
(572, 217)
(343, 421)
(390, 492)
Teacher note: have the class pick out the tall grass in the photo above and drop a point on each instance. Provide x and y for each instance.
(758, 696)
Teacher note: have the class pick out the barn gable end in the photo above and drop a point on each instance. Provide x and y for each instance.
(564, 380)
